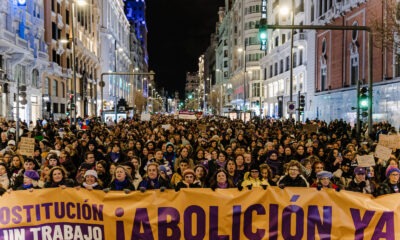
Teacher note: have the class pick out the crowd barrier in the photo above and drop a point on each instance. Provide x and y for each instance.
(274, 213)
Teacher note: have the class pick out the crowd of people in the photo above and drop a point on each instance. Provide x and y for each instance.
(211, 152)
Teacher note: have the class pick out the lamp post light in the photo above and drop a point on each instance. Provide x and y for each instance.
(285, 11)
(240, 50)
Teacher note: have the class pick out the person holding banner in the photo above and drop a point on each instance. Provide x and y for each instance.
(58, 178)
(293, 176)
(221, 179)
(253, 178)
(153, 179)
(188, 180)
(391, 184)
(359, 183)
(324, 180)
(121, 180)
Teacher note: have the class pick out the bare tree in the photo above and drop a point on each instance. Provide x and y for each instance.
(386, 27)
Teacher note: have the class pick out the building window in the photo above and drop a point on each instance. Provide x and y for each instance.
(54, 88)
(271, 71)
(276, 69)
(63, 89)
(323, 78)
(35, 78)
(256, 89)
(46, 86)
(294, 59)
(281, 66)
(301, 57)
(287, 63)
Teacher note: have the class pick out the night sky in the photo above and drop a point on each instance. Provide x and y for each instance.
(178, 33)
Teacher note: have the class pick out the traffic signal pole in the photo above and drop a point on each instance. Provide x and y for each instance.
(343, 28)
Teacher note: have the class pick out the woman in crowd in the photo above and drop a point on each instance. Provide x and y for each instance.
(220, 162)
(58, 178)
(230, 168)
(103, 173)
(324, 180)
(91, 181)
(188, 180)
(253, 178)
(201, 175)
(221, 179)
(121, 180)
(360, 183)
(4, 180)
(391, 184)
(30, 180)
(153, 179)
(293, 176)
(266, 174)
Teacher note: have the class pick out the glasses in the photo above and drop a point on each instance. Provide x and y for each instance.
(394, 174)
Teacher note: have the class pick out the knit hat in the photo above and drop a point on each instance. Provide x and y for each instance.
(359, 170)
(169, 144)
(162, 168)
(188, 171)
(91, 173)
(391, 169)
(324, 174)
(11, 142)
(32, 174)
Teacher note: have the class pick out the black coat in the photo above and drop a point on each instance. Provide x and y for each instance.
(288, 181)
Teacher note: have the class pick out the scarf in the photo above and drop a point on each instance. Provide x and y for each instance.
(120, 185)
(222, 185)
(92, 185)
(27, 186)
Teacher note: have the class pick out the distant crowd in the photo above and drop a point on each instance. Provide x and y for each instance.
(211, 152)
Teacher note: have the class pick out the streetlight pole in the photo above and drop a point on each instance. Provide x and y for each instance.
(73, 111)
(244, 79)
(291, 59)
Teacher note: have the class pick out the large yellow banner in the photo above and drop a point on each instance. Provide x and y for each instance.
(274, 213)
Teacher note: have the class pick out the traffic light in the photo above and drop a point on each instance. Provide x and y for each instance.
(363, 101)
(21, 3)
(22, 95)
(262, 34)
(302, 103)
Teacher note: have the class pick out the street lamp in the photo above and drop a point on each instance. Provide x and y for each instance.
(240, 50)
(285, 11)
(73, 85)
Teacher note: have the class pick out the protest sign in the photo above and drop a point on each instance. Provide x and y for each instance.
(365, 160)
(27, 146)
(390, 141)
(383, 152)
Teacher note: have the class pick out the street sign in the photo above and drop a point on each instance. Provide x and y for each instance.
(291, 107)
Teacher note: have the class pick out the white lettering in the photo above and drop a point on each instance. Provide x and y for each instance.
(97, 234)
(35, 232)
(68, 232)
(57, 233)
(46, 233)
(78, 233)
